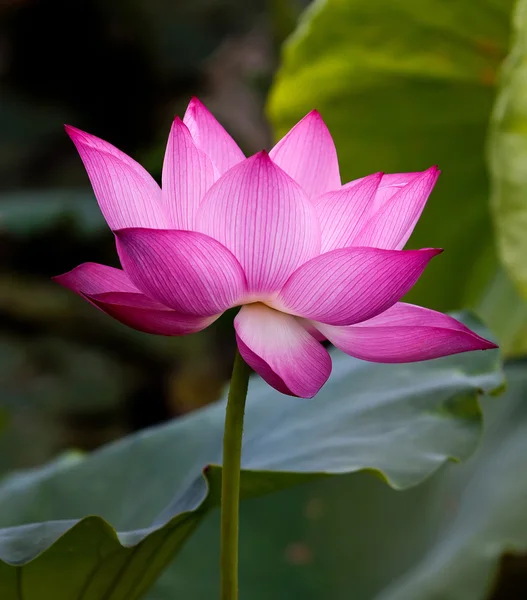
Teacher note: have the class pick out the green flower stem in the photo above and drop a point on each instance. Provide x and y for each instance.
(230, 483)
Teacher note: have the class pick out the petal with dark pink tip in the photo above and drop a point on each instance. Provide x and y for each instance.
(391, 226)
(350, 285)
(264, 218)
(211, 137)
(281, 351)
(184, 270)
(187, 174)
(307, 153)
(404, 333)
(127, 195)
(111, 291)
(343, 213)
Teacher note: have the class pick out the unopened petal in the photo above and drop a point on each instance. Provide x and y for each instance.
(127, 195)
(391, 226)
(184, 270)
(264, 218)
(187, 174)
(404, 333)
(281, 351)
(346, 286)
(211, 137)
(307, 153)
(343, 213)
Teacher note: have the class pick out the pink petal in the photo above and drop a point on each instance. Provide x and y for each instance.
(111, 291)
(390, 184)
(307, 153)
(128, 196)
(404, 333)
(313, 331)
(211, 137)
(281, 351)
(391, 226)
(93, 278)
(349, 285)
(184, 270)
(140, 312)
(264, 218)
(343, 213)
(187, 174)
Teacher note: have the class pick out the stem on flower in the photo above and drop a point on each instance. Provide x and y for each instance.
(230, 483)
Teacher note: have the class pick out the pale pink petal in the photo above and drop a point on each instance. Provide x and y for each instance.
(141, 313)
(184, 270)
(187, 174)
(127, 195)
(404, 333)
(349, 285)
(307, 153)
(264, 218)
(390, 184)
(281, 351)
(211, 137)
(391, 226)
(398, 179)
(354, 182)
(343, 213)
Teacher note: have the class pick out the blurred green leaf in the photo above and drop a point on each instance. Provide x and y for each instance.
(505, 312)
(400, 421)
(48, 383)
(508, 156)
(402, 86)
(284, 15)
(25, 213)
(51, 373)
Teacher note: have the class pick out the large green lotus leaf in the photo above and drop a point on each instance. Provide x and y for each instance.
(480, 510)
(508, 155)
(402, 85)
(339, 539)
(401, 421)
(352, 537)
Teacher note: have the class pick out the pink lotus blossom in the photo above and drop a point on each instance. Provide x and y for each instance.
(306, 257)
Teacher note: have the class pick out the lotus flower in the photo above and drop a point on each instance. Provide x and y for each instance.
(307, 258)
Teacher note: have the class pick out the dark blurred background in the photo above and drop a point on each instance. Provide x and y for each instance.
(71, 376)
